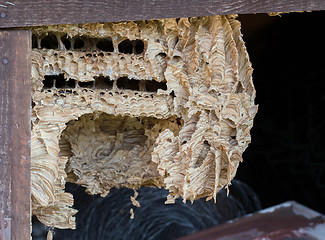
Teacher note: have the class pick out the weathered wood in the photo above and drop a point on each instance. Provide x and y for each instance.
(288, 220)
(15, 91)
(43, 12)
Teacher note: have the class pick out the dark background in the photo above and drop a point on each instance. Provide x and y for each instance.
(286, 159)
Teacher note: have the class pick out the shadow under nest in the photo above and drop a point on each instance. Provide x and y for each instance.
(109, 218)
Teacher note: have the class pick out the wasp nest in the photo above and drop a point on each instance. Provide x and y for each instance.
(153, 103)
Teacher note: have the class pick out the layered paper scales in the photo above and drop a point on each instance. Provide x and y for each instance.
(166, 103)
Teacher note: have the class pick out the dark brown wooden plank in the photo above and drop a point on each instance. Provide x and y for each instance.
(15, 97)
(17, 13)
(289, 220)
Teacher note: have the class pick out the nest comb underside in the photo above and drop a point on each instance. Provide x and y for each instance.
(161, 103)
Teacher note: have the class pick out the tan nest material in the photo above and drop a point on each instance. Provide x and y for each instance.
(161, 103)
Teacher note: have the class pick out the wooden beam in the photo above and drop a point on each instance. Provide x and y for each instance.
(19, 13)
(15, 105)
(288, 220)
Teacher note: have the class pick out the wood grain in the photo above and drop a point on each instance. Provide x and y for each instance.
(284, 221)
(43, 12)
(15, 91)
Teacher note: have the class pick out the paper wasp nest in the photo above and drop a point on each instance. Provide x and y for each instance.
(166, 103)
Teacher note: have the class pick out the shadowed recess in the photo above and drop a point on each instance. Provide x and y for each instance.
(109, 218)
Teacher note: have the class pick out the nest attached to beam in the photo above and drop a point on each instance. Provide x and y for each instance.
(160, 103)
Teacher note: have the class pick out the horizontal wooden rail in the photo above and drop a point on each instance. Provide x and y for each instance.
(20, 13)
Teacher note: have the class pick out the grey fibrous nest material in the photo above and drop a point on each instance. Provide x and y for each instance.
(165, 103)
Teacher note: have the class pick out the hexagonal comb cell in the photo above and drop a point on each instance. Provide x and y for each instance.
(161, 103)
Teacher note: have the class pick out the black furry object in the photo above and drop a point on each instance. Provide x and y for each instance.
(109, 218)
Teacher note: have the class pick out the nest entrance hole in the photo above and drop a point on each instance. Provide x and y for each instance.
(60, 41)
(58, 81)
(105, 45)
(49, 42)
(127, 46)
(125, 83)
(103, 82)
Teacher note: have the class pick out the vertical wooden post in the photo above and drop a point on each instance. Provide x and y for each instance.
(15, 105)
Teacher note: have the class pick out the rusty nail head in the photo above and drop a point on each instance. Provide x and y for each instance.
(3, 15)
(5, 61)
